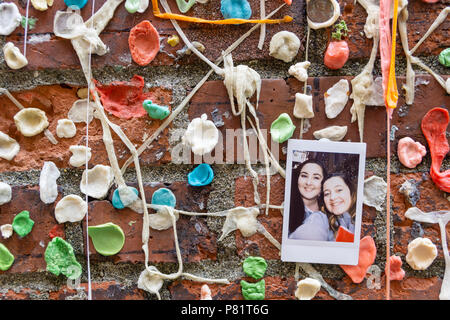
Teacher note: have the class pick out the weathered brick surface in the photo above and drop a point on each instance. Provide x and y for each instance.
(276, 289)
(56, 101)
(29, 250)
(108, 290)
(196, 241)
(278, 96)
(58, 53)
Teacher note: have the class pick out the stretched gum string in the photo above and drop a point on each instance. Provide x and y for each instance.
(391, 103)
(391, 90)
(180, 17)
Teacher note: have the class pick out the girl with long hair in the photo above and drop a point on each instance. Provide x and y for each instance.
(340, 203)
(306, 221)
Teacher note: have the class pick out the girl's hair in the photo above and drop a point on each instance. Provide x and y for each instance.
(297, 207)
(332, 219)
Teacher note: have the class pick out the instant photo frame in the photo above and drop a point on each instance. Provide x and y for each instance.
(329, 251)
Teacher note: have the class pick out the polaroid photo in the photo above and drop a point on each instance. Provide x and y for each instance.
(323, 202)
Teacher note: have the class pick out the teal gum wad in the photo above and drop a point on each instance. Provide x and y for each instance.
(235, 9)
(155, 111)
(444, 57)
(60, 258)
(75, 4)
(22, 224)
(255, 267)
(202, 175)
(253, 291)
(164, 197)
(117, 202)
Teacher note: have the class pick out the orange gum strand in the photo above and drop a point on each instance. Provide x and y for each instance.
(391, 91)
(181, 17)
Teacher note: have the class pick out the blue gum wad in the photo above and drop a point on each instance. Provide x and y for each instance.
(237, 9)
(60, 258)
(116, 202)
(22, 224)
(76, 4)
(164, 197)
(202, 175)
(155, 111)
(6, 258)
(253, 291)
(255, 267)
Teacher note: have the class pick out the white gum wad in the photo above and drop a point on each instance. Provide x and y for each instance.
(79, 154)
(421, 253)
(9, 147)
(303, 108)
(201, 135)
(336, 98)
(31, 121)
(13, 57)
(71, 208)
(100, 179)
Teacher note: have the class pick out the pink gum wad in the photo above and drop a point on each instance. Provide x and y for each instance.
(434, 127)
(395, 266)
(367, 254)
(410, 152)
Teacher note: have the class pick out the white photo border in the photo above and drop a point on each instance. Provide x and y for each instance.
(326, 252)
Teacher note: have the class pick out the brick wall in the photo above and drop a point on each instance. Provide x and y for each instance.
(51, 80)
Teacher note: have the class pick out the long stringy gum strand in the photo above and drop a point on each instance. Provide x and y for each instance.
(306, 82)
(186, 100)
(391, 100)
(180, 17)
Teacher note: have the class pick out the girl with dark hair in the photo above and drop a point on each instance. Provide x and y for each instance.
(306, 221)
(340, 203)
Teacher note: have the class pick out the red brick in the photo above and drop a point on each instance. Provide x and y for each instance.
(29, 251)
(23, 294)
(212, 97)
(109, 290)
(57, 100)
(431, 197)
(258, 244)
(276, 289)
(196, 241)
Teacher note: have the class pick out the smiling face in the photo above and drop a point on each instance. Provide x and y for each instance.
(337, 195)
(309, 181)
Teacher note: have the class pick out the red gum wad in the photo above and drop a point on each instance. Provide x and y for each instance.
(144, 43)
(124, 99)
(367, 254)
(336, 54)
(434, 126)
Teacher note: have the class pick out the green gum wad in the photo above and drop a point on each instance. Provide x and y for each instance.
(282, 128)
(253, 291)
(22, 224)
(132, 5)
(155, 111)
(444, 57)
(60, 258)
(255, 267)
(108, 238)
(6, 258)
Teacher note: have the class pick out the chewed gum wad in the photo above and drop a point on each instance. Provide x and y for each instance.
(410, 152)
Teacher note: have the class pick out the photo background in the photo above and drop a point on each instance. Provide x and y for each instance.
(332, 162)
